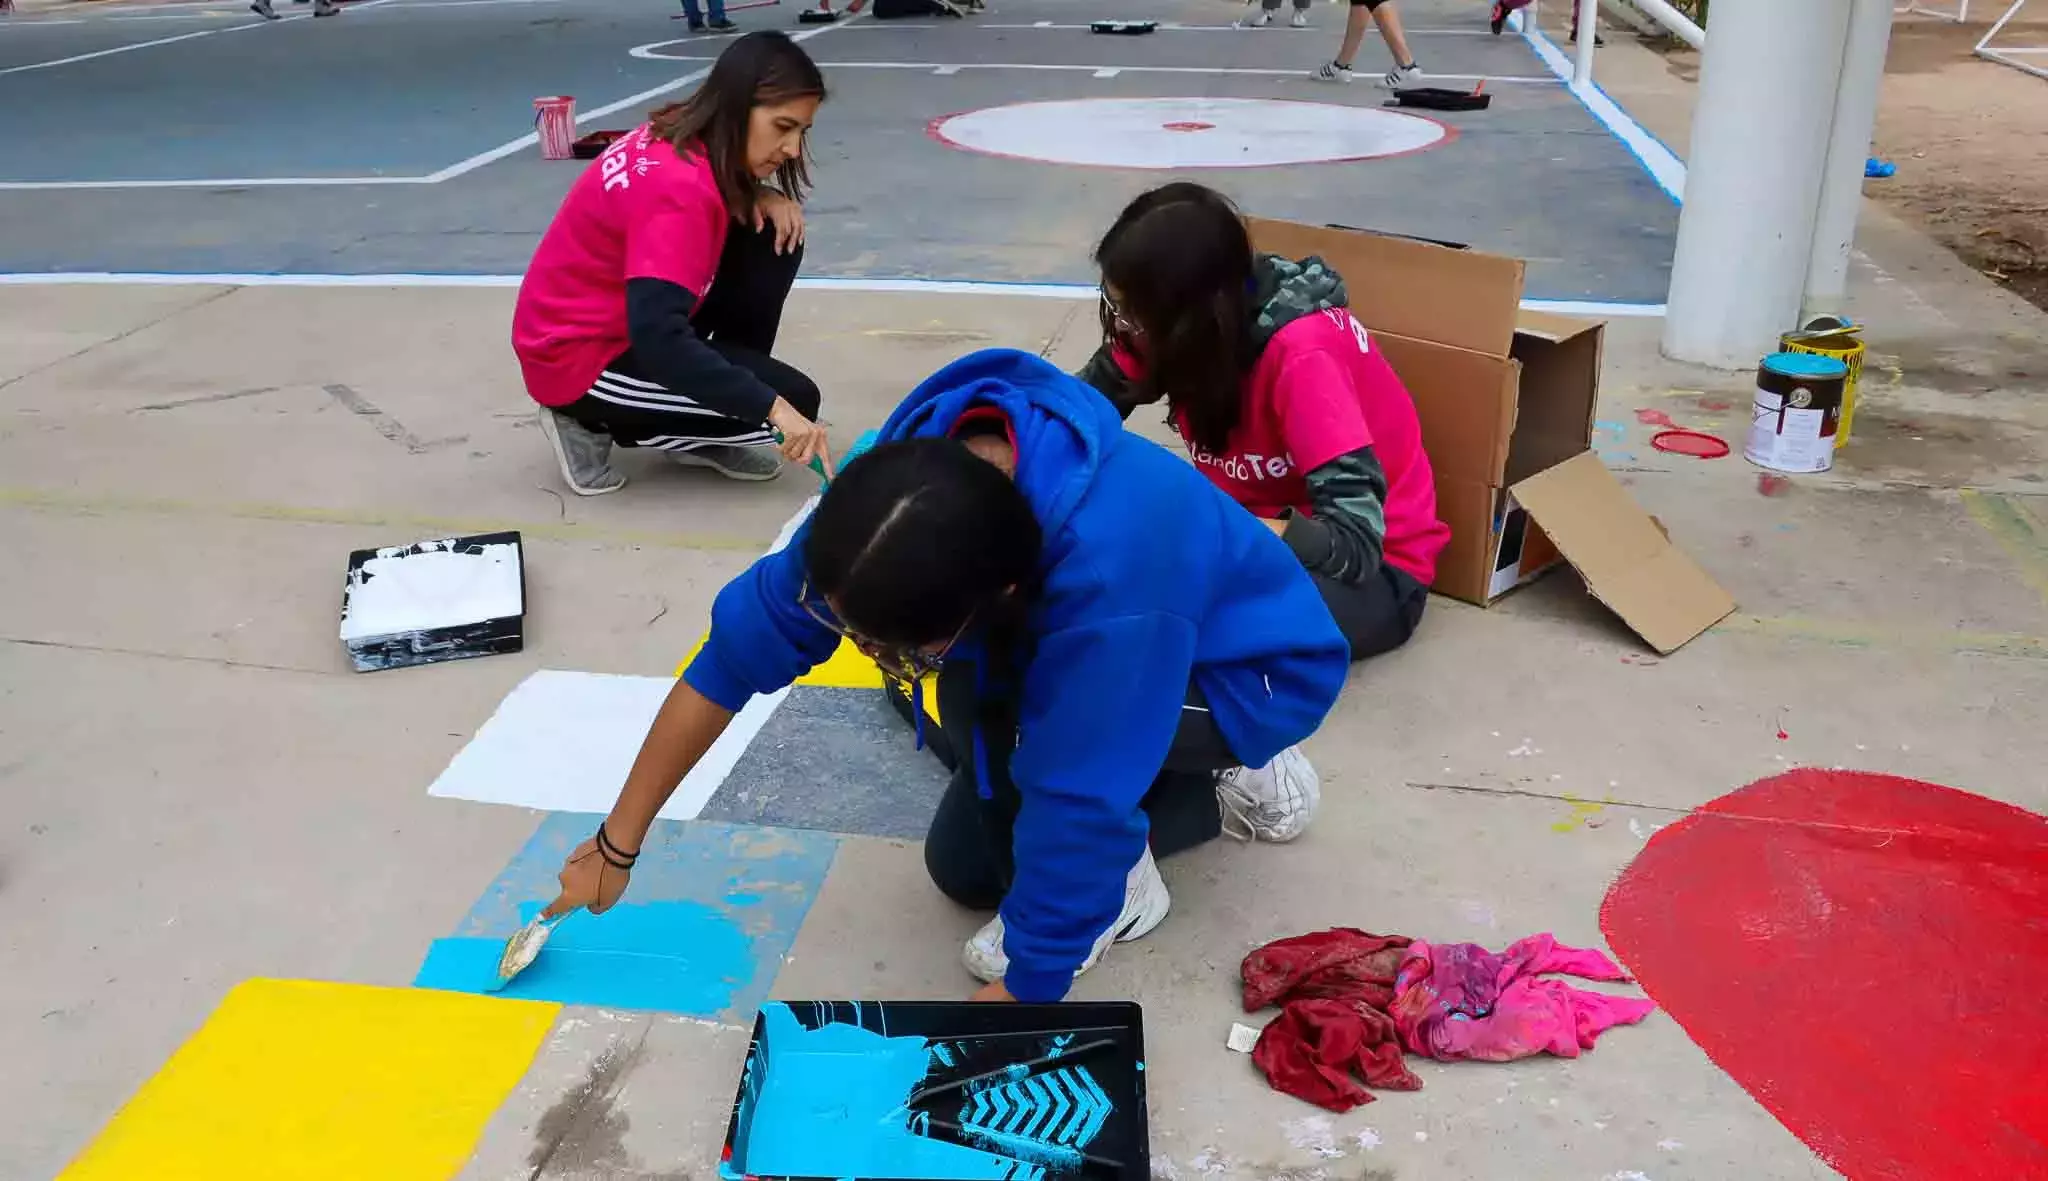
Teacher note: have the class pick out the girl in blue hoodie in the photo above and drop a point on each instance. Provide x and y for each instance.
(1130, 660)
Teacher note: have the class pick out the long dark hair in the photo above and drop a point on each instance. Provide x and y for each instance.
(914, 540)
(1180, 261)
(761, 69)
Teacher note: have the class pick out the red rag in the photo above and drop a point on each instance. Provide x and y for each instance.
(1336, 986)
(1343, 962)
(1315, 1046)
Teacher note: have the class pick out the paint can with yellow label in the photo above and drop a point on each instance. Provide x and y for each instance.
(1839, 338)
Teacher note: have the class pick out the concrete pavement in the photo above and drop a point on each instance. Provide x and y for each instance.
(194, 790)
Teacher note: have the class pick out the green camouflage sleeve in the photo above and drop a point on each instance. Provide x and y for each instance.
(1344, 535)
(1108, 377)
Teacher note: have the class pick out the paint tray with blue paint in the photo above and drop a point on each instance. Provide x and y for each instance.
(447, 599)
(938, 1091)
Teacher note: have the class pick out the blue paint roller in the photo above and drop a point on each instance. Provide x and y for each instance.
(866, 440)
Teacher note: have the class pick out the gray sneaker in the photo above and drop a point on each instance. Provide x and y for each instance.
(734, 463)
(584, 455)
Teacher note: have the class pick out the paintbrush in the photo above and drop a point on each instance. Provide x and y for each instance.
(1087, 1158)
(1015, 1071)
(524, 947)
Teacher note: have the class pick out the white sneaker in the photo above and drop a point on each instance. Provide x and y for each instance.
(1300, 19)
(1331, 72)
(1270, 803)
(1402, 77)
(1145, 905)
(1257, 20)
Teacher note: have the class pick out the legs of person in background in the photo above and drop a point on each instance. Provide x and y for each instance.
(1498, 19)
(1268, 9)
(1383, 13)
(264, 9)
(739, 319)
(695, 16)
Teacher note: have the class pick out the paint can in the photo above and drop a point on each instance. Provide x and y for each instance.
(554, 116)
(1796, 413)
(1840, 338)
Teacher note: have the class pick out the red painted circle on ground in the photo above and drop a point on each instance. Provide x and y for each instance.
(1866, 955)
(1188, 125)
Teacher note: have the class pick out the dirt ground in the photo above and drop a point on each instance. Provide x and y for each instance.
(1967, 135)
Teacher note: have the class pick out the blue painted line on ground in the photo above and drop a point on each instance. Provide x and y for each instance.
(1657, 159)
(711, 914)
(878, 286)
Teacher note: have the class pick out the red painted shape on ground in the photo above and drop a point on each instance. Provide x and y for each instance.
(1867, 956)
(1770, 485)
(1188, 125)
(1654, 418)
(1715, 405)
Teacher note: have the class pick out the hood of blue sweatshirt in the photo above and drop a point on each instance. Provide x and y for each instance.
(1151, 580)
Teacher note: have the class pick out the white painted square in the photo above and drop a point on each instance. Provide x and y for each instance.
(563, 742)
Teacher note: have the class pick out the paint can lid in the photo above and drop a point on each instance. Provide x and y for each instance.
(1698, 444)
(1806, 365)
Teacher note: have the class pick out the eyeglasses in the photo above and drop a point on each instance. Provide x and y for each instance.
(905, 662)
(1113, 319)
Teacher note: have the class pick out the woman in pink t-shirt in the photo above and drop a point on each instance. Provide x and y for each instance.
(649, 311)
(1281, 398)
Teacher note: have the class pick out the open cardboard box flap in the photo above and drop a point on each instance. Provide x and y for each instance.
(1622, 553)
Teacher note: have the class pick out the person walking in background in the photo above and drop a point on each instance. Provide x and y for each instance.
(1503, 8)
(1270, 9)
(1382, 13)
(717, 24)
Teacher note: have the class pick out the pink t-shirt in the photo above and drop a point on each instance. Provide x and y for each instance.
(640, 211)
(1318, 391)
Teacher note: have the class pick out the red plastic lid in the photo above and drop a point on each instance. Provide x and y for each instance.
(1698, 444)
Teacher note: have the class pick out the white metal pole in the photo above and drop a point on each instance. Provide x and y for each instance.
(1587, 21)
(1760, 128)
(1841, 186)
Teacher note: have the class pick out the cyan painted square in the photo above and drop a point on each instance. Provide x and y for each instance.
(835, 760)
(712, 911)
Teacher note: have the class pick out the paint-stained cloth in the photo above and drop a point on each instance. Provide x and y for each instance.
(1352, 1002)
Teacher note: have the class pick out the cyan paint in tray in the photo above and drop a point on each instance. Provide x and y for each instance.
(917, 1091)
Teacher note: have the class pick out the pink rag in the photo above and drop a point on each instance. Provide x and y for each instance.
(1458, 1000)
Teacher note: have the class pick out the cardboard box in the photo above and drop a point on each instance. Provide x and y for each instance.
(1507, 400)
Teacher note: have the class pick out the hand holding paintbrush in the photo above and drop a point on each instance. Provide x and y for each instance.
(594, 878)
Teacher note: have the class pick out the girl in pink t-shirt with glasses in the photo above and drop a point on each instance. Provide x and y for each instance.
(1281, 398)
(649, 312)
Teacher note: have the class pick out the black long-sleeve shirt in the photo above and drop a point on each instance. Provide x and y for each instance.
(670, 352)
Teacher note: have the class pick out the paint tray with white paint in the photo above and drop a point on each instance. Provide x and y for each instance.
(938, 1091)
(448, 599)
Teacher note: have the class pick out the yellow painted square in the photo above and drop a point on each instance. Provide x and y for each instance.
(846, 668)
(296, 1080)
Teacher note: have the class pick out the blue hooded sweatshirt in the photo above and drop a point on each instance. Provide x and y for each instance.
(1151, 578)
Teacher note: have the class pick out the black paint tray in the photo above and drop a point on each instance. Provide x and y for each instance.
(444, 619)
(941, 1091)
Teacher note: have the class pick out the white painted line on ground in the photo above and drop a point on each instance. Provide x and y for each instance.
(1660, 162)
(99, 53)
(1100, 71)
(531, 138)
(459, 168)
(74, 59)
(224, 182)
(876, 286)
